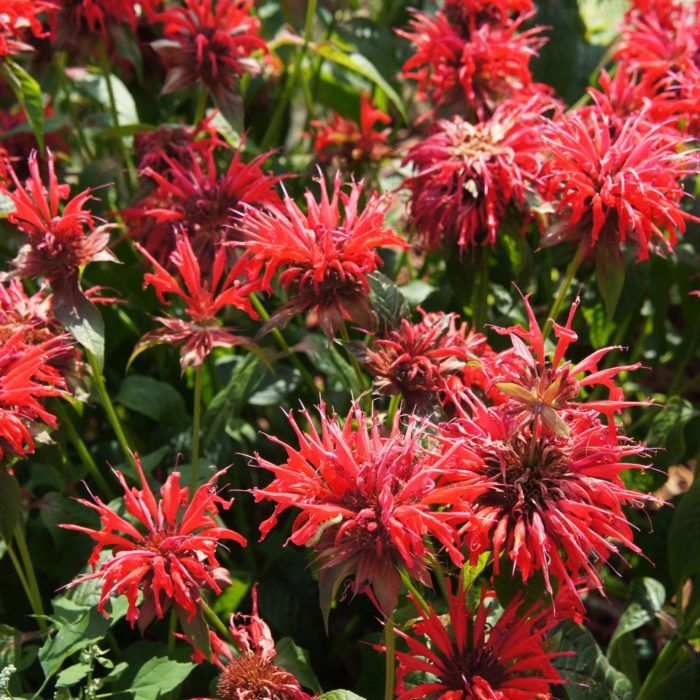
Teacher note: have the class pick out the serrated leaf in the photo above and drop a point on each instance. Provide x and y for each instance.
(159, 675)
(10, 505)
(588, 673)
(28, 93)
(155, 399)
(684, 537)
(357, 63)
(296, 660)
(387, 301)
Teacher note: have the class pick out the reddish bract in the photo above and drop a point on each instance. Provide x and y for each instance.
(169, 555)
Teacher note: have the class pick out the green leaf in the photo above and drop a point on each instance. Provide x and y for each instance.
(600, 327)
(126, 107)
(80, 317)
(10, 505)
(416, 292)
(196, 630)
(340, 695)
(681, 681)
(387, 301)
(157, 400)
(588, 673)
(72, 675)
(645, 600)
(296, 660)
(666, 431)
(357, 63)
(159, 675)
(471, 573)
(610, 275)
(231, 598)
(274, 388)
(28, 93)
(684, 537)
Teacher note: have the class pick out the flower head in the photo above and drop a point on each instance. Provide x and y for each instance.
(616, 187)
(60, 240)
(191, 192)
(210, 41)
(326, 253)
(477, 70)
(549, 503)
(417, 359)
(19, 18)
(472, 660)
(204, 298)
(27, 375)
(366, 503)
(166, 549)
(468, 13)
(350, 142)
(467, 175)
(252, 673)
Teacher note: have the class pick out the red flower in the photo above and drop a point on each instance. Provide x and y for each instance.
(468, 13)
(60, 240)
(169, 554)
(350, 142)
(252, 673)
(477, 70)
(204, 299)
(472, 659)
(26, 376)
(19, 18)
(192, 193)
(417, 359)
(549, 503)
(366, 503)
(467, 175)
(327, 253)
(210, 41)
(611, 186)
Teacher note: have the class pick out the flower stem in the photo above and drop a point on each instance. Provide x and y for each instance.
(82, 450)
(30, 578)
(407, 581)
(25, 584)
(389, 643)
(201, 108)
(216, 621)
(571, 271)
(353, 360)
(284, 346)
(126, 156)
(108, 406)
(197, 417)
(393, 408)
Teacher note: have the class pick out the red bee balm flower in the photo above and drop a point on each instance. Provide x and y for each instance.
(366, 503)
(474, 660)
(478, 69)
(17, 19)
(327, 253)
(26, 375)
(252, 673)
(60, 241)
(169, 553)
(611, 187)
(210, 41)
(203, 298)
(417, 359)
(468, 174)
(353, 143)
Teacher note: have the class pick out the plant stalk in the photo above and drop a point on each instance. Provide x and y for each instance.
(197, 413)
(390, 644)
(31, 580)
(571, 271)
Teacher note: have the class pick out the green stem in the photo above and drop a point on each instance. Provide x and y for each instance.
(201, 107)
(88, 155)
(393, 408)
(33, 584)
(22, 578)
(216, 621)
(108, 406)
(408, 582)
(390, 644)
(284, 346)
(345, 336)
(82, 450)
(107, 74)
(197, 413)
(273, 127)
(660, 669)
(481, 290)
(571, 271)
(172, 626)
